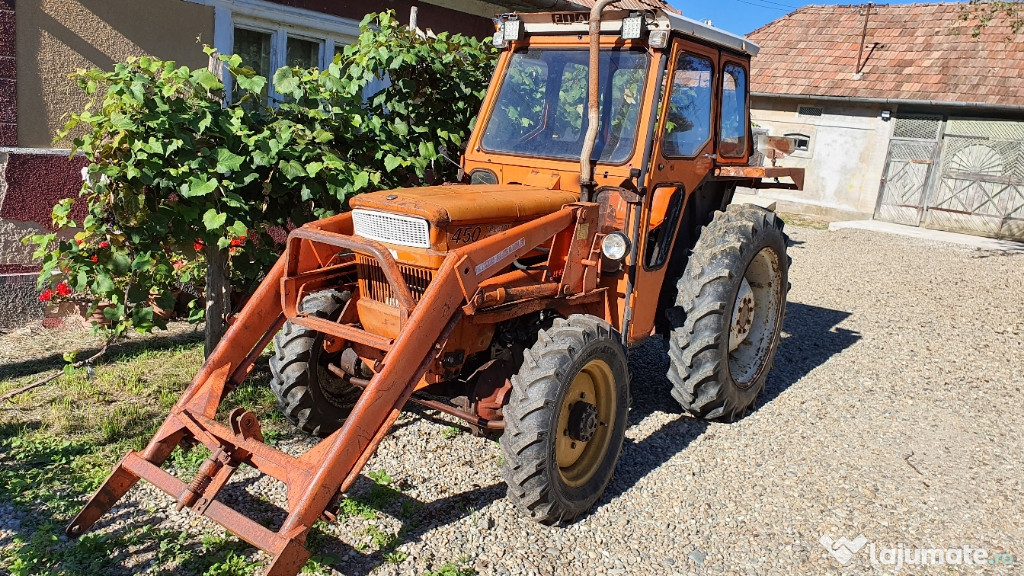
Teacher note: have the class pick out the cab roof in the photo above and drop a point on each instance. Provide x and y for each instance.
(545, 23)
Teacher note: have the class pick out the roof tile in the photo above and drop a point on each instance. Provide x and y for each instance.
(920, 55)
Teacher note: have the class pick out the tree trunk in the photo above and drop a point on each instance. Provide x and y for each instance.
(218, 296)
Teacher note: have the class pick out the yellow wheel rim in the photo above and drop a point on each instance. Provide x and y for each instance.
(585, 422)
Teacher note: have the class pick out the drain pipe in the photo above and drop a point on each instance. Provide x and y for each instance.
(593, 112)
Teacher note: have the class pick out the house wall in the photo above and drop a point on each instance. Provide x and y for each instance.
(8, 75)
(52, 39)
(845, 160)
(56, 37)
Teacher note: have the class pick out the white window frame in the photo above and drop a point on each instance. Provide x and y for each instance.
(280, 22)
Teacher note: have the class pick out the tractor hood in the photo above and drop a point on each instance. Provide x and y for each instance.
(443, 206)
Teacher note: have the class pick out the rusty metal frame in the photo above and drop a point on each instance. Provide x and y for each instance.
(758, 175)
(315, 478)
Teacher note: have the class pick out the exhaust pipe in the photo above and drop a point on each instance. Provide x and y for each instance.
(593, 112)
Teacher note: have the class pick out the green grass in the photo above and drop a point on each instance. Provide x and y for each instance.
(805, 220)
(59, 442)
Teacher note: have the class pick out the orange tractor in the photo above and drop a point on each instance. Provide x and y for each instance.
(597, 214)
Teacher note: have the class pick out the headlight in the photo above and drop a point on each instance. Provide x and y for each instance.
(658, 39)
(615, 246)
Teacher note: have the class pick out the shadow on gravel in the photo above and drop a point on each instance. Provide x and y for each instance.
(810, 336)
(417, 519)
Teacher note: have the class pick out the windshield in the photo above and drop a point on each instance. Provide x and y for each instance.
(542, 105)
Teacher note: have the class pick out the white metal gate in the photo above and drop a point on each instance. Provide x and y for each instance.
(963, 175)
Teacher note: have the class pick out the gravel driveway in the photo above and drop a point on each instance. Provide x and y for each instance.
(895, 411)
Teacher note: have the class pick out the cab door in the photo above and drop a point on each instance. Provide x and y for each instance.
(682, 157)
(734, 119)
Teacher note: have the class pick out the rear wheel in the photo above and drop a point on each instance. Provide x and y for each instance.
(308, 394)
(566, 419)
(728, 316)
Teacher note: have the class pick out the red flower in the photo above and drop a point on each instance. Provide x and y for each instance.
(45, 295)
(197, 245)
(94, 258)
(63, 289)
(104, 244)
(178, 264)
(79, 241)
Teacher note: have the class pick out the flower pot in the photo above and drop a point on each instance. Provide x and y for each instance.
(97, 318)
(164, 314)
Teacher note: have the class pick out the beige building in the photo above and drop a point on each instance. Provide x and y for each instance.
(901, 115)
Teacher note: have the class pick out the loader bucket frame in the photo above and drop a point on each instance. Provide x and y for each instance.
(316, 258)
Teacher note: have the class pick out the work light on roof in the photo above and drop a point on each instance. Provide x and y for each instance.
(511, 29)
(633, 26)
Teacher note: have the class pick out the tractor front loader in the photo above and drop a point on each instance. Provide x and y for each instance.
(592, 220)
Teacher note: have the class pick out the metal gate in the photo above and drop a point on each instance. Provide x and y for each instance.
(908, 168)
(964, 175)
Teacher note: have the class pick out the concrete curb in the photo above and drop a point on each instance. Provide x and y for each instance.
(976, 242)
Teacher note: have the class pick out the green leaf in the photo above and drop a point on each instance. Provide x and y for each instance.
(286, 83)
(391, 162)
(361, 180)
(207, 80)
(228, 161)
(292, 169)
(204, 122)
(313, 168)
(197, 187)
(238, 228)
(214, 220)
(120, 263)
(254, 84)
(103, 284)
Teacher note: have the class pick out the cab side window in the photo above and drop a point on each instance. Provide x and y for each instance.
(688, 118)
(732, 141)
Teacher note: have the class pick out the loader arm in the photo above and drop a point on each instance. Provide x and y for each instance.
(318, 477)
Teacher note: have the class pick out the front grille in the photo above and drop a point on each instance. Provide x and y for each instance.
(373, 284)
(391, 228)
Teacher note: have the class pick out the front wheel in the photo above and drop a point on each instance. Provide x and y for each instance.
(314, 399)
(729, 310)
(566, 419)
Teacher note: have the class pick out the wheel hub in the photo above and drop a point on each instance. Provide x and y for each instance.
(583, 430)
(582, 421)
(742, 315)
(757, 317)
